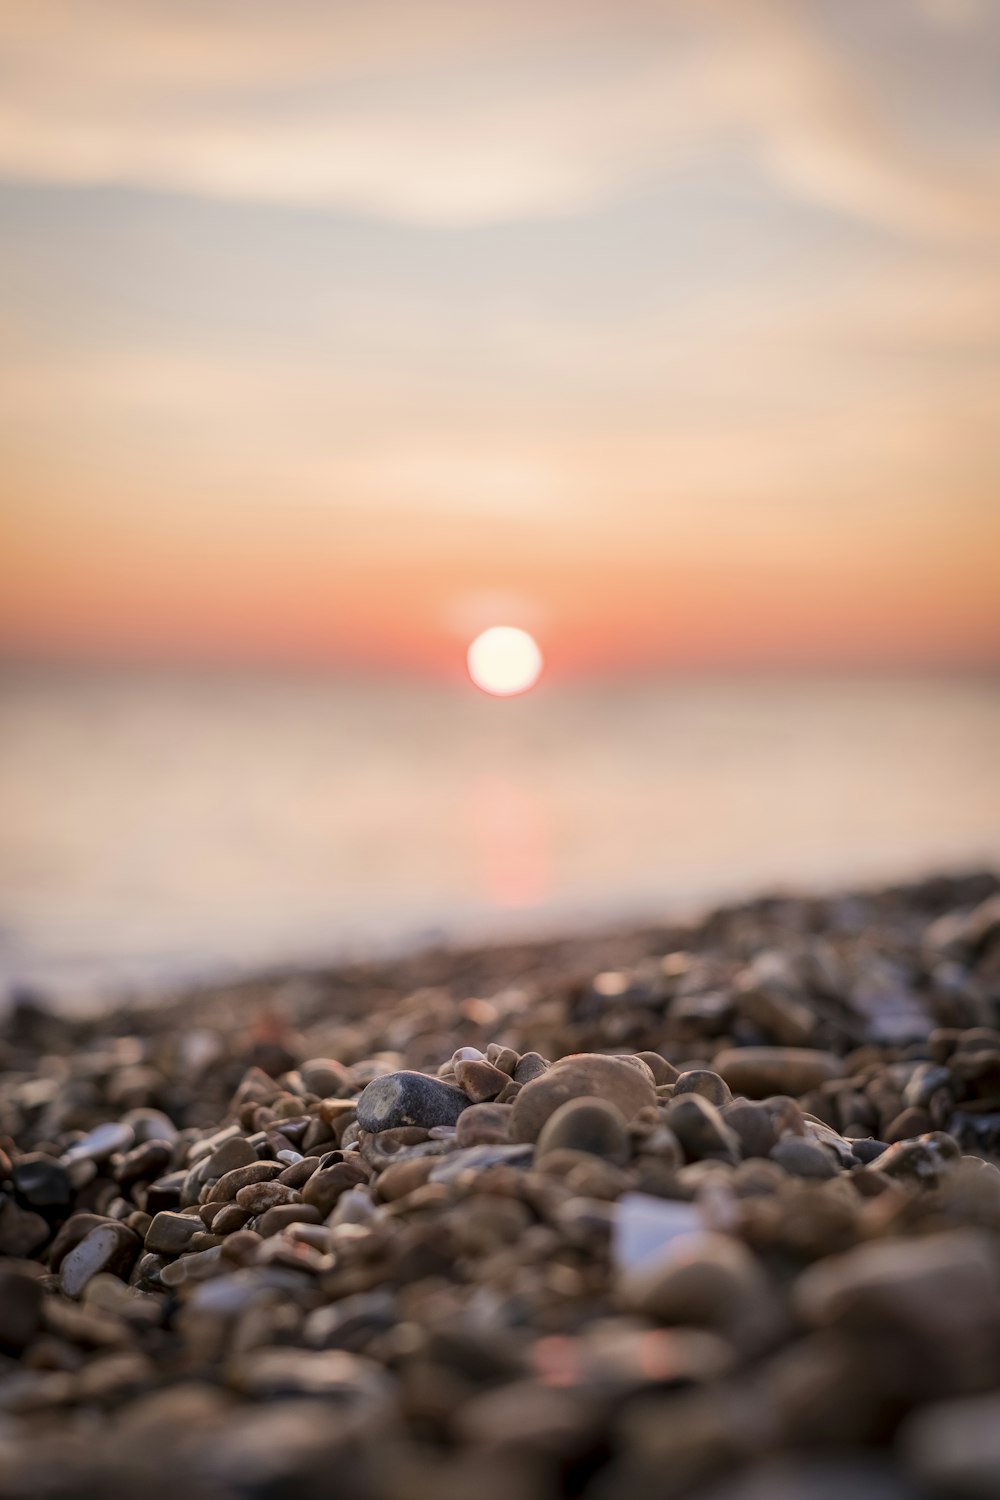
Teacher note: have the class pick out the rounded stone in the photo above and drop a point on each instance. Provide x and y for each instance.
(621, 1081)
(760, 1072)
(483, 1125)
(802, 1158)
(701, 1129)
(754, 1125)
(110, 1247)
(41, 1182)
(706, 1083)
(407, 1098)
(589, 1125)
(479, 1079)
(701, 1279)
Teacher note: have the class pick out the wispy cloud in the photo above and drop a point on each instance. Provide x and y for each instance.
(454, 114)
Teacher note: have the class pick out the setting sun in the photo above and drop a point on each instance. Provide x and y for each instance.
(504, 661)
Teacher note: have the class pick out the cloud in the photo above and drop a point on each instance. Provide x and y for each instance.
(451, 114)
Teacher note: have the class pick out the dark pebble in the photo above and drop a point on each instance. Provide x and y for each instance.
(409, 1099)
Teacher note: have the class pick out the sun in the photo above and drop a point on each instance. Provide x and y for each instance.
(504, 661)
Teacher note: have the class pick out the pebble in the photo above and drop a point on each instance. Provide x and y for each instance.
(110, 1247)
(171, 1234)
(760, 1072)
(706, 1083)
(408, 1098)
(754, 1125)
(41, 1182)
(258, 1197)
(802, 1158)
(479, 1079)
(590, 1125)
(701, 1129)
(101, 1143)
(699, 1279)
(229, 1185)
(618, 1081)
(483, 1125)
(232, 1154)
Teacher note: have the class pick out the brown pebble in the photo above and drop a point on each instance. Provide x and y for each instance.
(230, 1219)
(620, 1081)
(759, 1072)
(234, 1153)
(110, 1247)
(706, 1083)
(258, 1197)
(483, 1125)
(284, 1214)
(590, 1125)
(480, 1080)
(403, 1177)
(662, 1071)
(171, 1234)
(325, 1186)
(227, 1187)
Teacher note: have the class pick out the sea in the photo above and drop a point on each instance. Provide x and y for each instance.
(165, 826)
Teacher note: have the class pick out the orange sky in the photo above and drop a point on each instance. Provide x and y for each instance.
(670, 331)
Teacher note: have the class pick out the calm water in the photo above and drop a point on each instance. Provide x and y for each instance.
(162, 824)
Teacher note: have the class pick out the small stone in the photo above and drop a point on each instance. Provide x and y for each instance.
(949, 1281)
(530, 1065)
(102, 1142)
(702, 1081)
(233, 1153)
(150, 1125)
(283, 1214)
(662, 1071)
(480, 1080)
(701, 1129)
(907, 1124)
(230, 1218)
(325, 1076)
(754, 1125)
(408, 1098)
(325, 1186)
(621, 1081)
(171, 1234)
(225, 1190)
(41, 1182)
(590, 1125)
(110, 1247)
(258, 1197)
(483, 1125)
(703, 1279)
(143, 1163)
(760, 1072)
(802, 1158)
(923, 1160)
(403, 1177)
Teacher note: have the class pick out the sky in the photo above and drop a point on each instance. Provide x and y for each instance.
(666, 329)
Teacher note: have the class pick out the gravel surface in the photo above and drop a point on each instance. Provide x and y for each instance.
(707, 1210)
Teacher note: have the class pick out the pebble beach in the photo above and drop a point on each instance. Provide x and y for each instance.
(708, 1209)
